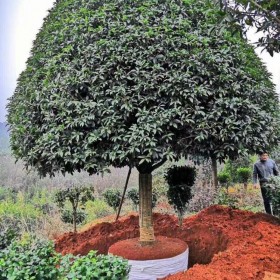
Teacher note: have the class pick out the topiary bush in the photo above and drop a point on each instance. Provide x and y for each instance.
(180, 179)
(244, 175)
(113, 198)
(224, 179)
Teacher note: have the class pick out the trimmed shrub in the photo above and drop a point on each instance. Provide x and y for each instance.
(180, 180)
(113, 198)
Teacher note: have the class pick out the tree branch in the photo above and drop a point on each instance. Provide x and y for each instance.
(265, 11)
(158, 164)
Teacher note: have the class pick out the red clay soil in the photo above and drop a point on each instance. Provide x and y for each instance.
(163, 248)
(224, 244)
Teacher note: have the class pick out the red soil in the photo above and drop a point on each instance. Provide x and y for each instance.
(163, 248)
(224, 244)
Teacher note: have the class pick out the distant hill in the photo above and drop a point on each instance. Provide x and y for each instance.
(4, 139)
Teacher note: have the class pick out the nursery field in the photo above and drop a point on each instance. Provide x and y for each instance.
(224, 243)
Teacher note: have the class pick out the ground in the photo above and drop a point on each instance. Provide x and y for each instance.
(225, 244)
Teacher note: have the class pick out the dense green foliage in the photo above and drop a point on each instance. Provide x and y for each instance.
(97, 267)
(180, 180)
(263, 15)
(25, 261)
(231, 167)
(68, 217)
(113, 198)
(77, 196)
(273, 187)
(38, 260)
(180, 175)
(244, 174)
(118, 82)
(224, 178)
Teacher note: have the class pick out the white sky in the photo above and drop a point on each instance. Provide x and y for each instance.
(20, 22)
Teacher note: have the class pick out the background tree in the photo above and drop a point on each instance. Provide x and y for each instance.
(133, 195)
(263, 15)
(120, 83)
(113, 198)
(77, 196)
(237, 112)
(180, 179)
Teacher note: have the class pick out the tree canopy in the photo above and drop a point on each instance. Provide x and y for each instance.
(263, 15)
(121, 82)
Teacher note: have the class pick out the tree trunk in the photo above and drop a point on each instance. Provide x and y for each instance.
(214, 173)
(145, 209)
(75, 220)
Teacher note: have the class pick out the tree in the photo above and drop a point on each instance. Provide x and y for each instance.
(77, 196)
(224, 179)
(263, 15)
(237, 112)
(133, 195)
(244, 174)
(180, 179)
(113, 198)
(118, 82)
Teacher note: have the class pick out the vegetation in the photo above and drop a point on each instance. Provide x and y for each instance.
(263, 15)
(129, 104)
(77, 196)
(244, 174)
(180, 180)
(113, 198)
(25, 260)
(273, 187)
(224, 179)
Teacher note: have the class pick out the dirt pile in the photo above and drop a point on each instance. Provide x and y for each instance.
(224, 243)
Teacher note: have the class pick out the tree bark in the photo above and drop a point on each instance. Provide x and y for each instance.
(214, 172)
(145, 209)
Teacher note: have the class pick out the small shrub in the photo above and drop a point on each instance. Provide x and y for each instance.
(180, 180)
(97, 267)
(7, 236)
(224, 179)
(244, 175)
(113, 198)
(25, 261)
(97, 209)
(37, 260)
(77, 196)
(224, 198)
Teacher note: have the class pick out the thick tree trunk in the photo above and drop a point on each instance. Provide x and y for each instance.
(214, 172)
(145, 209)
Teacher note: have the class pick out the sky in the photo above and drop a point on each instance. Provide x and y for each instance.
(20, 21)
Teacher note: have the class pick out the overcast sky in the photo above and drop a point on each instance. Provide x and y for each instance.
(20, 22)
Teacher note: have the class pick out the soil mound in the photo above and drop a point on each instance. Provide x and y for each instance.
(163, 248)
(224, 244)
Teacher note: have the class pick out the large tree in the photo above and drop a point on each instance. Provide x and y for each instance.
(121, 82)
(264, 15)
